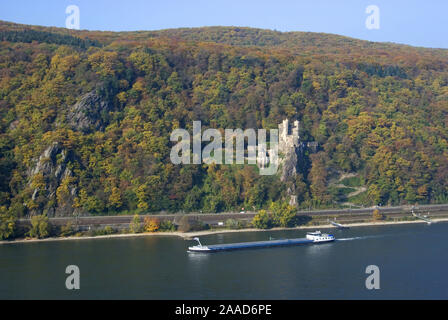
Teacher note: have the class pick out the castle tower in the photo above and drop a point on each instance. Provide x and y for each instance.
(283, 129)
(295, 133)
(288, 136)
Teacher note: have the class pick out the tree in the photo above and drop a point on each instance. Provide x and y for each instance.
(134, 226)
(115, 198)
(67, 229)
(142, 197)
(167, 225)
(262, 220)
(7, 224)
(318, 177)
(283, 214)
(40, 227)
(377, 215)
(151, 224)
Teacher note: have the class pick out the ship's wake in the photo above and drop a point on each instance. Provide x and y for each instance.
(362, 237)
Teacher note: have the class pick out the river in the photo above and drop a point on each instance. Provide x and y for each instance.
(412, 261)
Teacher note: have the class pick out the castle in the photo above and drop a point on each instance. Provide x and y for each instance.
(289, 137)
(290, 145)
(288, 142)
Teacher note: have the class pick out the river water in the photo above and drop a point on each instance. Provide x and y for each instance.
(412, 260)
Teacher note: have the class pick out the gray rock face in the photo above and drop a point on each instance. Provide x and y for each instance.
(89, 114)
(52, 164)
(289, 164)
(48, 160)
(289, 167)
(289, 145)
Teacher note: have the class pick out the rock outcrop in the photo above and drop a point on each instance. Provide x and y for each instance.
(90, 113)
(52, 169)
(289, 147)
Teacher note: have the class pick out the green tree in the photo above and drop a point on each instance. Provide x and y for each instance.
(167, 225)
(135, 226)
(67, 229)
(7, 224)
(283, 214)
(40, 227)
(262, 220)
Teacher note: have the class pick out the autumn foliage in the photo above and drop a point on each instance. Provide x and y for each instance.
(377, 110)
(151, 224)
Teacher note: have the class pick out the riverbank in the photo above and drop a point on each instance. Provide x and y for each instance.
(190, 235)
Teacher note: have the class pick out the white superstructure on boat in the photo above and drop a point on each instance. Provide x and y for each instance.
(318, 236)
(199, 247)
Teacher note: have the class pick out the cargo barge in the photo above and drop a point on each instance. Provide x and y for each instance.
(311, 237)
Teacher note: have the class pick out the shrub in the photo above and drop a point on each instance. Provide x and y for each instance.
(234, 224)
(151, 224)
(377, 215)
(107, 230)
(67, 230)
(187, 224)
(167, 225)
(134, 226)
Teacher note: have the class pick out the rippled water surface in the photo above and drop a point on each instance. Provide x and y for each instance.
(412, 259)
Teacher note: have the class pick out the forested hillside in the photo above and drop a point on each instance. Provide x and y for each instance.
(86, 118)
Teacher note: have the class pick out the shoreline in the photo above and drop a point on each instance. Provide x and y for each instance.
(189, 235)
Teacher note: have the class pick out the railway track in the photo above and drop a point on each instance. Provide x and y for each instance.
(214, 218)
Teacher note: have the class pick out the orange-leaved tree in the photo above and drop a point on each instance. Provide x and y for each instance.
(151, 224)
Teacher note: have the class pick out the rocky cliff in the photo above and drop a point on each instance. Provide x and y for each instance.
(90, 113)
(51, 182)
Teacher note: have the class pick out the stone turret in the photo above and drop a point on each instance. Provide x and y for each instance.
(288, 136)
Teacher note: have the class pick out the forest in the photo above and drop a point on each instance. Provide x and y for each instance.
(86, 118)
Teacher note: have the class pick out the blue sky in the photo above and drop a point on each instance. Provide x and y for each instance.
(414, 22)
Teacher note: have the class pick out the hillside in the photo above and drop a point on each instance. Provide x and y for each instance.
(86, 118)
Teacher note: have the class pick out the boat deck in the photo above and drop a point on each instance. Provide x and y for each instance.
(254, 244)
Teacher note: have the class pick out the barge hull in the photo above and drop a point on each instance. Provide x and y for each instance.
(255, 244)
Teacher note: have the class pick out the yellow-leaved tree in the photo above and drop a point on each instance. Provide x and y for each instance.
(151, 224)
